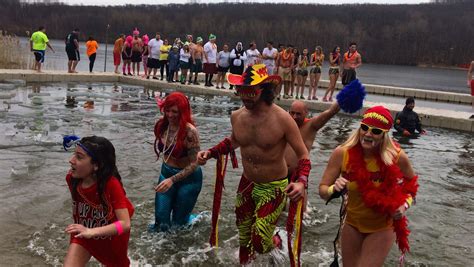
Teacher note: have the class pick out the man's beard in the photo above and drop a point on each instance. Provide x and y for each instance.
(250, 104)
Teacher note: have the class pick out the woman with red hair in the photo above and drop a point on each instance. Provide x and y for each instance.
(180, 182)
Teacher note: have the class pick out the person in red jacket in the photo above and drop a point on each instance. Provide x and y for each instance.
(100, 207)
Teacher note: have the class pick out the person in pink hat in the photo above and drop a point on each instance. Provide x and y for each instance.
(378, 185)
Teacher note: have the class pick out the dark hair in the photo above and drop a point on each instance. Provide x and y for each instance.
(281, 45)
(76, 29)
(410, 100)
(103, 154)
(267, 93)
(40, 28)
(352, 43)
(290, 45)
(334, 49)
(91, 38)
(270, 42)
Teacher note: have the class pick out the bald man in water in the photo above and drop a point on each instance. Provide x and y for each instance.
(308, 128)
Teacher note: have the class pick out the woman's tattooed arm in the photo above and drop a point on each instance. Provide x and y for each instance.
(193, 147)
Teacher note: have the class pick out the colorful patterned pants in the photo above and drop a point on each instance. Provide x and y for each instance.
(257, 208)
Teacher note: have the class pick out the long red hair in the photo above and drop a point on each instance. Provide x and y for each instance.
(181, 101)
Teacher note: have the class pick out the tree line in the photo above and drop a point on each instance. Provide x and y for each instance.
(437, 33)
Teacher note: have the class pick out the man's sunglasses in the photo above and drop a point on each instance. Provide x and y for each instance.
(247, 92)
(375, 131)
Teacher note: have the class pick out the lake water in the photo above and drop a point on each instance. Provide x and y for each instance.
(451, 80)
(36, 205)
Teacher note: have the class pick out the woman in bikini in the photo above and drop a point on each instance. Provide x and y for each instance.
(180, 182)
(317, 59)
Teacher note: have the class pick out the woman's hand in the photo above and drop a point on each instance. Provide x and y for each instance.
(80, 231)
(340, 184)
(164, 186)
(399, 213)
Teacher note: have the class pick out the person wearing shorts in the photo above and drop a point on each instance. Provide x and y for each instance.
(223, 65)
(153, 63)
(72, 50)
(285, 64)
(118, 45)
(351, 61)
(38, 43)
(210, 60)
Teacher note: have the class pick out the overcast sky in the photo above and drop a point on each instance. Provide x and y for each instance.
(154, 2)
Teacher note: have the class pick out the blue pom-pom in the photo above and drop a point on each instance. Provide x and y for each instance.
(69, 140)
(351, 97)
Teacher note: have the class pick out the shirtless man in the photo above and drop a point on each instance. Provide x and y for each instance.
(350, 62)
(284, 65)
(308, 128)
(197, 54)
(262, 130)
(192, 46)
(137, 49)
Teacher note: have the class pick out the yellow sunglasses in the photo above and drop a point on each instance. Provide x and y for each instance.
(373, 130)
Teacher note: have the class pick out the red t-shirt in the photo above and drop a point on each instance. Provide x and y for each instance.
(87, 210)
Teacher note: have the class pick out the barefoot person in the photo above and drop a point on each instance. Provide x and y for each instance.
(350, 62)
(180, 181)
(302, 74)
(334, 65)
(137, 50)
(317, 59)
(197, 55)
(284, 66)
(127, 55)
(72, 50)
(118, 46)
(262, 130)
(381, 186)
(101, 209)
(38, 43)
(91, 51)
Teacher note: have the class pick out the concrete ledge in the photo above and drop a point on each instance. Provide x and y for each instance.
(429, 116)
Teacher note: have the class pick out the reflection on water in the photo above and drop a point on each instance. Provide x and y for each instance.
(33, 166)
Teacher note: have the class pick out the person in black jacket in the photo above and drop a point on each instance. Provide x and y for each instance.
(407, 121)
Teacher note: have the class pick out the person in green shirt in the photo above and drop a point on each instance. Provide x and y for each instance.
(38, 43)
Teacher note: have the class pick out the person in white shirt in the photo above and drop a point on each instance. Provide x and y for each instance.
(184, 58)
(210, 59)
(269, 54)
(223, 64)
(153, 63)
(253, 55)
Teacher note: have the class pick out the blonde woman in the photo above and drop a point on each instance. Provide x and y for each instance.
(381, 185)
(317, 59)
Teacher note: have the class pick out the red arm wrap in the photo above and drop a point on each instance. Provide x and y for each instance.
(302, 172)
(224, 148)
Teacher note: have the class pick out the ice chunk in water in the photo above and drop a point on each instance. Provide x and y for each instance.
(20, 170)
